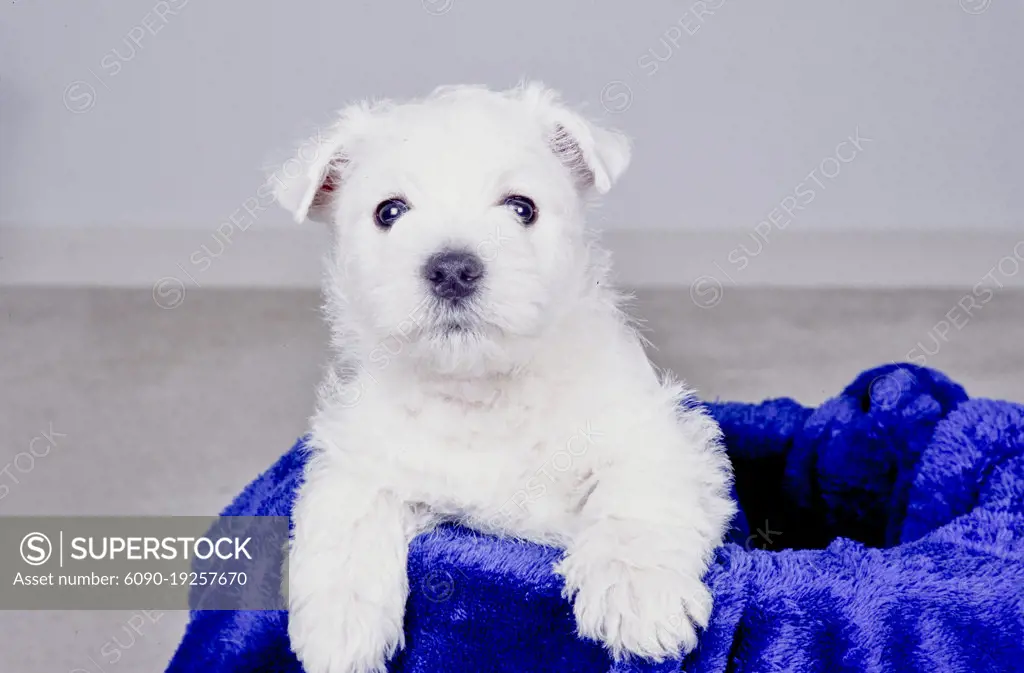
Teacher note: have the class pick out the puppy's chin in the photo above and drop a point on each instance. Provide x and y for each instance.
(462, 344)
(466, 339)
(455, 321)
(454, 350)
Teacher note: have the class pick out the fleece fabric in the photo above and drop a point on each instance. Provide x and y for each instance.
(881, 531)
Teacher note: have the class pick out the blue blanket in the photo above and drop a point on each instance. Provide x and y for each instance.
(881, 531)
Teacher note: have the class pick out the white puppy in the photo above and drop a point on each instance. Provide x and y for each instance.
(484, 373)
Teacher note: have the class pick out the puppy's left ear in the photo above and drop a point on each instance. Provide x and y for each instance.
(595, 156)
(308, 183)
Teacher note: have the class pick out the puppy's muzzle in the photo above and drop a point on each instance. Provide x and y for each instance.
(453, 275)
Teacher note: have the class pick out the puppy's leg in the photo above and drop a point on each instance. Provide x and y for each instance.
(347, 571)
(660, 507)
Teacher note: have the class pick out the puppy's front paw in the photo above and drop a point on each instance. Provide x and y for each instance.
(343, 637)
(650, 612)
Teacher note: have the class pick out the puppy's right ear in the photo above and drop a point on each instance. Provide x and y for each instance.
(595, 156)
(307, 184)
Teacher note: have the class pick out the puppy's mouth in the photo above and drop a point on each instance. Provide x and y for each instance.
(458, 326)
(459, 318)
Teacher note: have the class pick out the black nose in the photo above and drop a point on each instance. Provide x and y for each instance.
(453, 274)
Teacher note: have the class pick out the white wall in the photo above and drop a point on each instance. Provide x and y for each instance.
(98, 132)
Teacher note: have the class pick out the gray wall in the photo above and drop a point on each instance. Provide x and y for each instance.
(173, 131)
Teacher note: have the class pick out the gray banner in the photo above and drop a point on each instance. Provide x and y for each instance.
(126, 563)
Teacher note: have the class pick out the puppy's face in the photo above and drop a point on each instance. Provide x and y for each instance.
(457, 219)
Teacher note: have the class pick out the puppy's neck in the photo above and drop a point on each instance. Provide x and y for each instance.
(483, 392)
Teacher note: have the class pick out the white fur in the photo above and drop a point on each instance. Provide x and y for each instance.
(541, 418)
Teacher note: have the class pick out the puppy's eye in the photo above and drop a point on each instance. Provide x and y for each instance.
(524, 208)
(388, 212)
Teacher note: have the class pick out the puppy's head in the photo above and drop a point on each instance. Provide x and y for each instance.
(457, 220)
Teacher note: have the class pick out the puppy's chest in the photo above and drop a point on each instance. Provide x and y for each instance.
(472, 459)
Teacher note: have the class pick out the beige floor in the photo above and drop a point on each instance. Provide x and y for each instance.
(173, 411)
